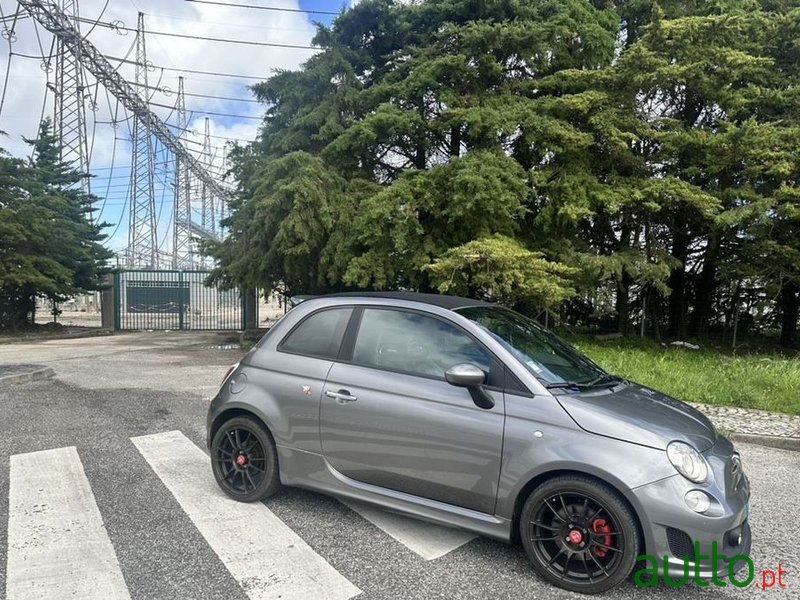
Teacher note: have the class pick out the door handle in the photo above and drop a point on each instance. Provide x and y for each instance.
(342, 396)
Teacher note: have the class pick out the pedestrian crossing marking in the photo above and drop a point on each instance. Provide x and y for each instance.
(267, 558)
(58, 546)
(425, 539)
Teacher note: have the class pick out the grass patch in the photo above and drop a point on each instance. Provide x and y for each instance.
(763, 381)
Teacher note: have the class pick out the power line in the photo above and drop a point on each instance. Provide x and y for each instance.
(110, 177)
(94, 121)
(124, 59)
(205, 112)
(121, 216)
(5, 80)
(259, 27)
(12, 18)
(123, 176)
(10, 36)
(119, 27)
(45, 61)
(33, 56)
(39, 41)
(195, 71)
(97, 20)
(273, 8)
(210, 96)
(220, 137)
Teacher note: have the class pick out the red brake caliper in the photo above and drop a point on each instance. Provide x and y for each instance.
(601, 526)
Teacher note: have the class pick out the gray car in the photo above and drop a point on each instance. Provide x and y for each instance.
(470, 415)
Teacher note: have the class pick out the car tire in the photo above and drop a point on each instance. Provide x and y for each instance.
(579, 534)
(244, 460)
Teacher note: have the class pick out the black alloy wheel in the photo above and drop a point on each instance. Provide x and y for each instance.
(244, 460)
(579, 535)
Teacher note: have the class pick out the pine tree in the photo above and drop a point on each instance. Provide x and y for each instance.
(51, 247)
(645, 151)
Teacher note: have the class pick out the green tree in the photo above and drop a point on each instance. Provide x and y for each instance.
(499, 269)
(437, 127)
(646, 152)
(50, 248)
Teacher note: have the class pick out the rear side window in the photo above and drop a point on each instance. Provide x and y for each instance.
(319, 334)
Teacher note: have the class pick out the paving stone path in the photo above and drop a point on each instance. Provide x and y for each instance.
(752, 422)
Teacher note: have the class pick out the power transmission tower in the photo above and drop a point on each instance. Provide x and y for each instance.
(209, 217)
(142, 244)
(57, 23)
(69, 118)
(182, 230)
(223, 206)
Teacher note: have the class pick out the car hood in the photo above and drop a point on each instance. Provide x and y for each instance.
(637, 414)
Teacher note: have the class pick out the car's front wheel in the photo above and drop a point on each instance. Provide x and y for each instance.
(244, 460)
(579, 534)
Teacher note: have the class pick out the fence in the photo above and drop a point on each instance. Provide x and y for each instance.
(150, 299)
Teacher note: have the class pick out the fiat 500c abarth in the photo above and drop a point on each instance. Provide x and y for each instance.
(470, 415)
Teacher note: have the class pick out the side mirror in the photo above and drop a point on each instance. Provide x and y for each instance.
(471, 377)
(465, 375)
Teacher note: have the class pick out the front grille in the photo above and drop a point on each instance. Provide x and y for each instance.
(680, 544)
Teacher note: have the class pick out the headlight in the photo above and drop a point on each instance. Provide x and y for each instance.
(688, 461)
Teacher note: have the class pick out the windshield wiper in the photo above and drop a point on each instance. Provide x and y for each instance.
(599, 381)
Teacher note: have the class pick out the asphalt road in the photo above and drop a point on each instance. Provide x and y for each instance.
(111, 389)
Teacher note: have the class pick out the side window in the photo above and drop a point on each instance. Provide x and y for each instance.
(318, 335)
(414, 343)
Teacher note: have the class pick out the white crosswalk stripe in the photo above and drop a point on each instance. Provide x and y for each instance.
(427, 540)
(58, 547)
(267, 558)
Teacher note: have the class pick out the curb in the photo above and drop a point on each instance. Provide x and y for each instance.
(771, 441)
(57, 336)
(35, 375)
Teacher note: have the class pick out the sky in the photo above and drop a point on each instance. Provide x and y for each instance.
(238, 118)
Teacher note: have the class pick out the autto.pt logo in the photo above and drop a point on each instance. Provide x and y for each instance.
(739, 571)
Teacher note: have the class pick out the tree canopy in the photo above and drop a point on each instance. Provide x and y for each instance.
(617, 162)
(50, 246)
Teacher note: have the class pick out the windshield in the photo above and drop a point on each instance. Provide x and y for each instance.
(547, 357)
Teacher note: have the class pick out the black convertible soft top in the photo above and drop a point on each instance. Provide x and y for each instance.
(441, 300)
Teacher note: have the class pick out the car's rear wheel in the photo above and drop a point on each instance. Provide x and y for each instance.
(579, 534)
(244, 460)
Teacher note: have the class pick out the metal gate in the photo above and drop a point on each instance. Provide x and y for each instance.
(168, 300)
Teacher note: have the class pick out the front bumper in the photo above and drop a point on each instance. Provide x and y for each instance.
(705, 545)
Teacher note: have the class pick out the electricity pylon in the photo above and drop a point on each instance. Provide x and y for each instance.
(60, 25)
(142, 243)
(209, 217)
(69, 118)
(182, 229)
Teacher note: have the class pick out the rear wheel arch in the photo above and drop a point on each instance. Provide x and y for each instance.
(231, 413)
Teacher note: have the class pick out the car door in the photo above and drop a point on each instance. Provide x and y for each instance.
(389, 418)
(295, 374)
